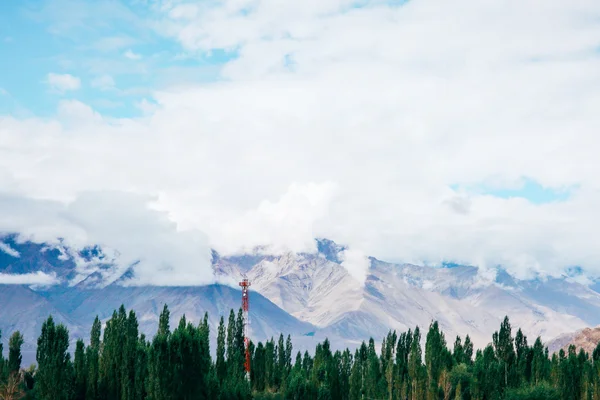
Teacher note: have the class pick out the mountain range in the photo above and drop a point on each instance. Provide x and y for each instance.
(308, 295)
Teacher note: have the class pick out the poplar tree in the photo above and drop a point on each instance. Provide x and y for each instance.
(79, 365)
(159, 368)
(141, 368)
(435, 352)
(129, 338)
(14, 352)
(93, 359)
(258, 368)
(503, 345)
(54, 375)
(468, 351)
(280, 362)
(458, 352)
(415, 366)
(231, 348)
(221, 364)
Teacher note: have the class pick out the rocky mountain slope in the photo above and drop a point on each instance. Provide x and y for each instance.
(309, 295)
(316, 288)
(586, 339)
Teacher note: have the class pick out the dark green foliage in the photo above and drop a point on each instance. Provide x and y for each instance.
(177, 364)
(159, 379)
(55, 371)
(505, 352)
(80, 367)
(542, 391)
(14, 352)
(93, 359)
(221, 365)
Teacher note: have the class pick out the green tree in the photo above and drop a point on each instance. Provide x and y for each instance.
(435, 357)
(468, 351)
(504, 347)
(81, 373)
(258, 368)
(112, 356)
(141, 368)
(415, 367)
(281, 364)
(232, 356)
(93, 358)
(130, 342)
(14, 352)
(159, 369)
(54, 376)
(542, 391)
(221, 364)
(458, 351)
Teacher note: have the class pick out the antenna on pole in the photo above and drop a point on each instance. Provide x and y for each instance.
(245, 284)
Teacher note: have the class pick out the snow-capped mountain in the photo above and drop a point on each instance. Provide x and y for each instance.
(309, 295)
(317, 289)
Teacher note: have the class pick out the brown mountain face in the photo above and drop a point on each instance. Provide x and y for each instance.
(586, 339)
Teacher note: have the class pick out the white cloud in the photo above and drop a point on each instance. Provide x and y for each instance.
(124, 226)
(63, 82)
(9, 250)
(103, 82)
(385, 108)
(37, 278)
(131, 55)
(4, 92)
(357, 264)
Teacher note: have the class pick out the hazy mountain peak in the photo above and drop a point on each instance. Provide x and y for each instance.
(330, 249)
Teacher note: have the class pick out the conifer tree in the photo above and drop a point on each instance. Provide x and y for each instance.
(14, 352)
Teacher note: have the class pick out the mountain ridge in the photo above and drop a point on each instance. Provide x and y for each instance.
(310, 292)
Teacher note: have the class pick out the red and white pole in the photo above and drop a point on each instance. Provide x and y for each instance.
(245, 283)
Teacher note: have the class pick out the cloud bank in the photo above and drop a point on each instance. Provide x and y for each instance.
(359, 124)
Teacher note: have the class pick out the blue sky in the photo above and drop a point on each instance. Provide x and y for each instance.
(527, 189)
(98, 42)
(336, 119)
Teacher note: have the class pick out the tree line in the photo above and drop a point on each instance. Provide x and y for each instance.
(121, 363)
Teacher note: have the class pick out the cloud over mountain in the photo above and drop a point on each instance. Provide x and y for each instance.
(374, 125)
